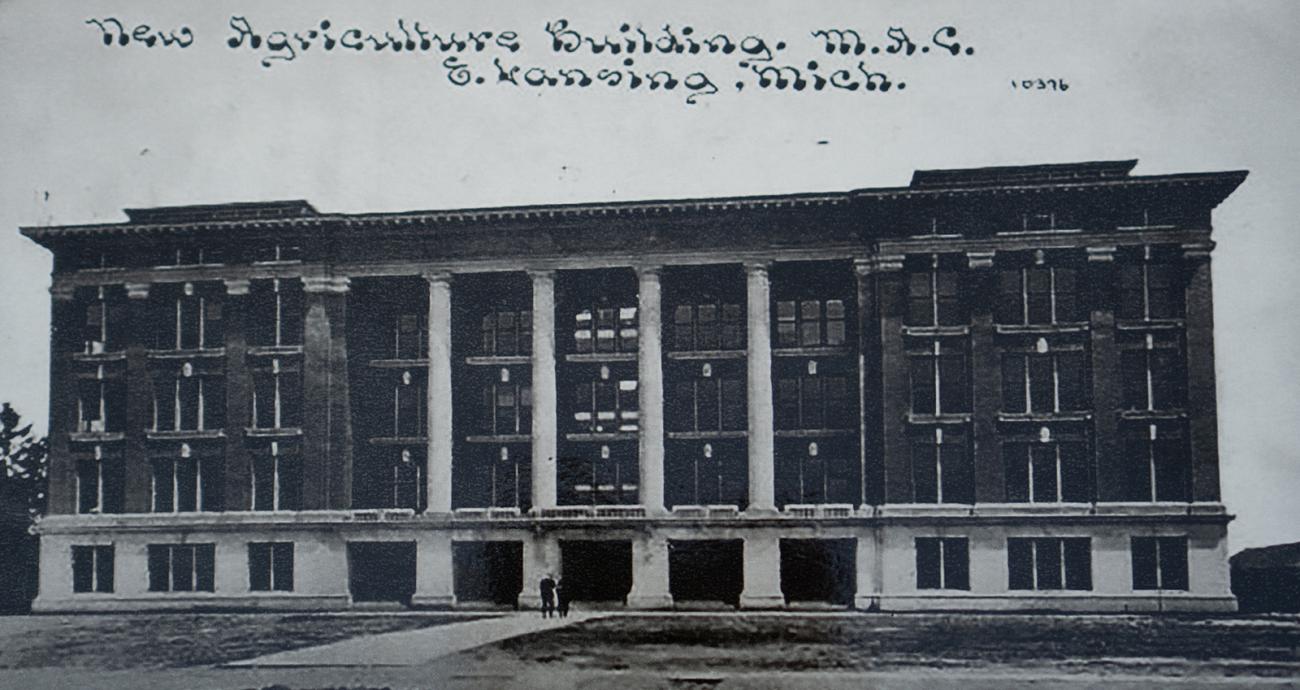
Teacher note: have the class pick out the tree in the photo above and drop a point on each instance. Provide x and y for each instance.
(25, 460)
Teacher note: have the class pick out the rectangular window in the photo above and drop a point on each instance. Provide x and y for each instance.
(1049, 563)
(814, 402)
(1039, 296)
(1047, 471)
(100, 483)
(1046, 380)
(506, 408)
(270, 566)
(186, 401)
(276, 478)
(277, 395)
(941, 468)
(810, 323)
(182, 567)
(92, 569)
(409, 337)
(938, 377)
(1159, 462)
(1160, 563)
(275, 315)
(605, 329)
(179, 484)
(606, 406)
(510, 333)
(942, 563)
(934, 299)
(711, 326)
(1149, 292)
(1153, 373)
(104, 325)
(186, 317)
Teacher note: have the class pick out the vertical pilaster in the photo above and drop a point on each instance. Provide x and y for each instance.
(761, 437)
(895, 390)
(239, 387)
(544, 402)
(649, 573)
(434, 586)
(870, 571)
(762, 571)
(650, 392)
(327, 455)
(871, 449)
(1111, 477)
(62, 491)
(139, 401)
(986, 380)
(1203, 423)
(439, 393)
(541, 557)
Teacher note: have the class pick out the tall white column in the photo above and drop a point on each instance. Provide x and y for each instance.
(438, 476)
(650, 390)
(544, 406)
(762, 571)
(762, 489)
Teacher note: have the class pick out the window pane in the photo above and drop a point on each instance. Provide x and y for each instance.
(1133, 367)
(835, 332)
(1013, 384)
(182, 568)
(810, 333)
(1173, 563)
(159, 568)
(1144, 563)
(259, 567)
(928, 570)
(1047, 565)
(1020, 564)
(205, 567)
(1076, 485)
(1172, 470)
(786, 334)
(958, 482)
(733, 405)
(707, 403)
(1042, 387)
(83, 568)
(813, 403)
(1015, 457)
(1044, 472)
(952, 384)
(956, 563)
(1008, 309)
(187, 484)
(680, 408)
(1132, 303)
(1168, 380)
(104, 568)
(1162, 300)
(787, 403)
(1067, 306)
(282, 565)
(162, 486)
(922, 384)
(925, 478)
(1078, 563)
(1072, 389)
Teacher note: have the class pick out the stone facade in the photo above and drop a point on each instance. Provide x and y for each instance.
(991, 389)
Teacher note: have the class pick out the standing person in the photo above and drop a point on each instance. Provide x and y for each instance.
(547, 586)
(562, 598)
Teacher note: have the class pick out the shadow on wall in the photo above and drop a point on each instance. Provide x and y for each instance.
(1267, 579)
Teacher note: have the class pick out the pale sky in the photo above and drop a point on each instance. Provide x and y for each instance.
(86, 130)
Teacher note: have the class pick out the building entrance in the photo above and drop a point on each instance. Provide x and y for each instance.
(819, 570)
(381, 570)
(596, 570)
(488, 572)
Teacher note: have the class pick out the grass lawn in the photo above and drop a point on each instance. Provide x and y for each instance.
(1267, 646)
(174, 640)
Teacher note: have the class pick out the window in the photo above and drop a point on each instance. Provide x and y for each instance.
(706, 473)
(1154, 377)
(276, 478)
(92, 569)
(816, 472)
(605, 329)
(506, 404)
(277, 253)
(712, 326)
(277, 394)
(178, 483)
(1149, 291)
(101, 403)
(1048, 563)
(100, 482)
(1045, 380)
(1160, 563)
(410, 337)
(606, 405)
(1039, 295)
(270, 566)
(181, 567)
(407, 403)
(934, 298)
(496, 476)
(188, 401)
(938, 377)
(190, 255)
(1047, 470)
(814, 401)
(941, 467)
(712, 400)
(606, 474)
(404, 481)
(105, 323)
(1159, 462)
(187, 318)
(810, 323)
(275, 317)
(510, 333)
(942, 563)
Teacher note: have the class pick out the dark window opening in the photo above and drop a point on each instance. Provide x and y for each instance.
(713, 472)
(276, 478)
(495, 476)
(706, 570)
(595, 570)
(270, 566)
(934, 299)
(599, 474)
(820, 471)
(92, 569)
(507, 333)
(1047, 471)
(381, 570)
(101, 484)
(1153, 372)
(942, 563)
(1039, 295)
(182, 567)
(1159, 462)
(275, 314)
(1160, 563)
(1049, 563)
(819, 570)
(938, 377)
(488, 571)
(942, 467)
(1046, 380)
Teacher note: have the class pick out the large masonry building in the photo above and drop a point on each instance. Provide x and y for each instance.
(990, 389)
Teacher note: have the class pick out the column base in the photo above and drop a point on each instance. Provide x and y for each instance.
(433, 601)
(865, 603)
(529, 602)
(761, 511)
(649, 601)
(762, 601)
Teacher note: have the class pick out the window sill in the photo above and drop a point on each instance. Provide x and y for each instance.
(706, 354)
(813, 433)
(936, 331)
(963, 418)
(499, 438)
(185, 267)
(610, 436)
(399, 363)
(1153, 415)
(601, 357)
(399, 440)
(1152, 325)
(274, 350)
(96, 436)
(185, 435)
(187, 354)
(1044, 417)
(705, 435)
(1041, 328)
(819, 351)
(110, 356)
(284, 432)
(498, 360)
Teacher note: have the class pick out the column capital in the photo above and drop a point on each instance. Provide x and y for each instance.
(326, 284)
(436, 276)
(1102, 254)
(63, 292)
(137, 290)
(878, 263)
(237, 286)
(644, 271)
(757, 267)
(979, 260)
(1198, 251)
(540, 273)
